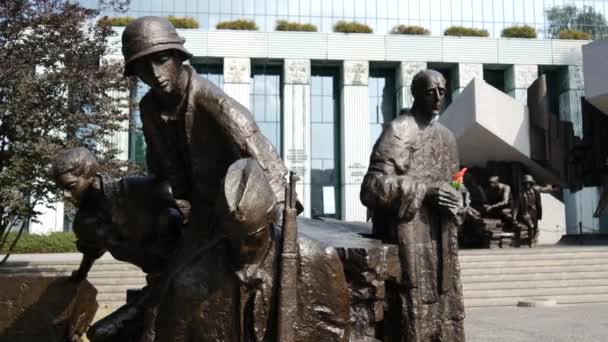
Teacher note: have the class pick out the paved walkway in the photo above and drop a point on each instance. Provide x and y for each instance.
(575, 323)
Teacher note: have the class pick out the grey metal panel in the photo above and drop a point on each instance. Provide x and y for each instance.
(414, 48)
(196, 41)
(356, 46)
(226, 43)
(470, 50)
(304, 45)
(568, 52)
(524, 51)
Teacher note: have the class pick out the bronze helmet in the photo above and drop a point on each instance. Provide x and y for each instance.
(246, 202)
(528, 179)
(147, 35)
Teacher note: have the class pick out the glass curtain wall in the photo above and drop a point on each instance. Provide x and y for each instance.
(382, 102)
(265, 101)
(381, 15)
(324, 141)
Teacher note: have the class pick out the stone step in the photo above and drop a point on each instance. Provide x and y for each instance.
(537, 284)
(535, 250)
(534, 269)
(530, 292)
(92, 274)
(560, 299)
(508, 264)
(116, 289)
(540, 256)
(138, 281)
(550, 276)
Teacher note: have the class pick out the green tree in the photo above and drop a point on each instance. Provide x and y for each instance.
(56, 90)
(584, 19)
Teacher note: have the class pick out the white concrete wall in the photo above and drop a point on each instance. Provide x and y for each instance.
(553, 225)
(595, 66)
(50, 220)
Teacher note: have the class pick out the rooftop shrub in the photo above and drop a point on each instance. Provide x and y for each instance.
(351, 27)
(410, 29)
(284, 25)
(460, 31)
(239, 24)
(524, 31)
(574, 34)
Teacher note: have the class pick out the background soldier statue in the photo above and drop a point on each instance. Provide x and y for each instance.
(530, 206)
(193, 130)
(408, 189)
(499, 200)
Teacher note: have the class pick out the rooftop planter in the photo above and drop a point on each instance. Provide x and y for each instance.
(460, 31)
(284, 25)
(574, 34)
(351, 27)
(524, 31)
(240, 24)
(178, 22)
(410, 30)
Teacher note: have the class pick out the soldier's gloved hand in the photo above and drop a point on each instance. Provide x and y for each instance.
(184, 208)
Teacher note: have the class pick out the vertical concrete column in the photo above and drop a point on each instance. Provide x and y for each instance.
(237, 77)
(120, 139)
(580, 205)
(466, 72)
(296, 124)
(517, 80)
(354, 134)
(405, 74)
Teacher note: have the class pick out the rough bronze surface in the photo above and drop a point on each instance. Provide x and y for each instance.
(50, 309)
(413, 204)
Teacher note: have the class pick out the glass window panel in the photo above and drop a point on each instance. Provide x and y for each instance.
(248, 7)
(360, 9)
(323, 136)
(271, 22)
(272, 7)
(259, 107)
(414, 11)
(327, 24)
(317, 164)
(328, 86)
(260, 6)
(392, 23)
(404, 11)
(214, 6)
(381, 9)
(328, 109)
(392, 8)
(337, 10)
(282, 7)
(374, 134)
(381, 26)
(178, 6)
(371, 109)
(466, 9)
(349, 8)
(316, 86)
(305, 8)
(328, 164)
(316, 108)
(315, 7)
(272, 108)
(226, 7)
(294, 7)
(271, 132)
(317, 22)
(237, 7)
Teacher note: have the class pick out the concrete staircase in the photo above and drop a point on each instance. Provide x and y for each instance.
(112, 278)
(502, 277)
(490, 277)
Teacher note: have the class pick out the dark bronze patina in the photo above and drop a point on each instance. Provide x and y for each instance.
(407, 187)
(530, 206)
(499, 200)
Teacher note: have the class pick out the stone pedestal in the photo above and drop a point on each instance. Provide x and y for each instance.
(354, 131)
(296, 125)
(405, 74)
(237, 79)
(49, 309)
(517, 80)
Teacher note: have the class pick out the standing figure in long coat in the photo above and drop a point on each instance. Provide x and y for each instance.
(407, 188)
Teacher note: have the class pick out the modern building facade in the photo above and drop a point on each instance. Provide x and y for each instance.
(321, 97)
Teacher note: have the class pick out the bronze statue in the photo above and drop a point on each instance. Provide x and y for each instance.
(228, 289)
(530, 206)
(135, 219)
(192, 129)
(407, 187)
(499, 200)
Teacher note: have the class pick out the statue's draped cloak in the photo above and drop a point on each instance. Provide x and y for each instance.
(406, 161)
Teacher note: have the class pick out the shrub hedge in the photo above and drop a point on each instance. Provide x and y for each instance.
(115, 21)
(574, 34)
(183, 22)
(240, 24)
(60, 242)
(351, 27)
(461, 31)
(284, 25)
(524, 31)
(410, 29)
